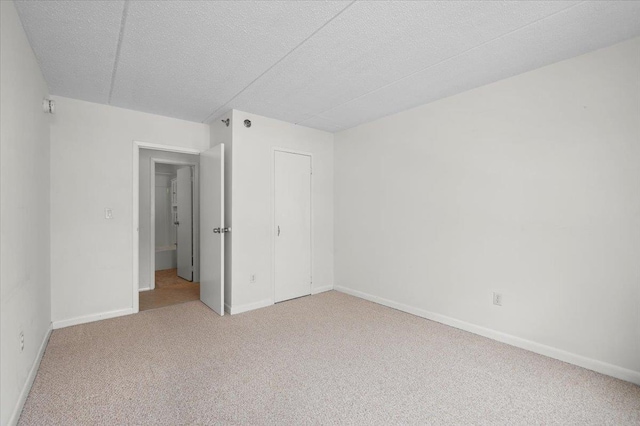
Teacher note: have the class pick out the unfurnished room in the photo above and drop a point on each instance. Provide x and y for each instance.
(319, 212)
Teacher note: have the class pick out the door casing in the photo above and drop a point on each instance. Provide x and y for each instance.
(135, 229)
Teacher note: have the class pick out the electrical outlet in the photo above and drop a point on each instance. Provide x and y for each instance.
(108, 213)
(252, 278)
(497, 299)
(21, 341)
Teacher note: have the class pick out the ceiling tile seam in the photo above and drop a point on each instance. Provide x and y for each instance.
(319, 114)
(123, 22)
(212, 115)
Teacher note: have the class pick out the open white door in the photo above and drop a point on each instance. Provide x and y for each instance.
(212, 228)
(185, 223)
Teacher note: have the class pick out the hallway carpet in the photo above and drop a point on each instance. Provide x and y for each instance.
(324, 359)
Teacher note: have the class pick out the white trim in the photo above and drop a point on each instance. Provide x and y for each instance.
(91, 318)
(145, 289)
(321, 289)
(169, 148)
(151, 277)
(274, 150)
(17, 410)
(539, 348)
(135, 231)
(232, 310)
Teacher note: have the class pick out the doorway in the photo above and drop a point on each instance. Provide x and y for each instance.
(207, 235)
(171, 222)
(292, 225)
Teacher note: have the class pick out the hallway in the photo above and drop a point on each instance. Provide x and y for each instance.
(170, 290)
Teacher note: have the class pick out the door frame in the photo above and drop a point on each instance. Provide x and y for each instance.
(273, 214)
(195, 217)
(135, 228)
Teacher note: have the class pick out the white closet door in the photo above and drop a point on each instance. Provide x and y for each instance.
(292, 204)
(185, 223)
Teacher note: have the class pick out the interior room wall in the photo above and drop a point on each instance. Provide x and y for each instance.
(164, 221)
(252, 211)
(92, 169)
(25, 291)
(529, 187)
(145, 206)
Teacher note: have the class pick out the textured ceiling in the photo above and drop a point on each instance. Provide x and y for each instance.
(327, 65)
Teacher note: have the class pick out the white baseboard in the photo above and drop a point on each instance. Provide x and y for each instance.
(91, 318)
(539, 348)
(145, 289)
(322, 289)
(238, 309)
(15, 416)
(232, 310)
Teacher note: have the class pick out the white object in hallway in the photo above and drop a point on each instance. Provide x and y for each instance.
(212, 230)
(292, 213)
(185, 224)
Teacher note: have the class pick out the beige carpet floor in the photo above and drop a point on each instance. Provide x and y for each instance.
(324, 359)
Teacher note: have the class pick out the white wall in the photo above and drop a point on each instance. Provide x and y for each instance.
(92, 168)
(166, 231)
(252, 208)
(529, 186)
(164, 226)
(144, 268)
(24, 214)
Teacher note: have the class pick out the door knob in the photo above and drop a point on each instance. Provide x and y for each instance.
(216, 230)
(176, 223)
(225, 230)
